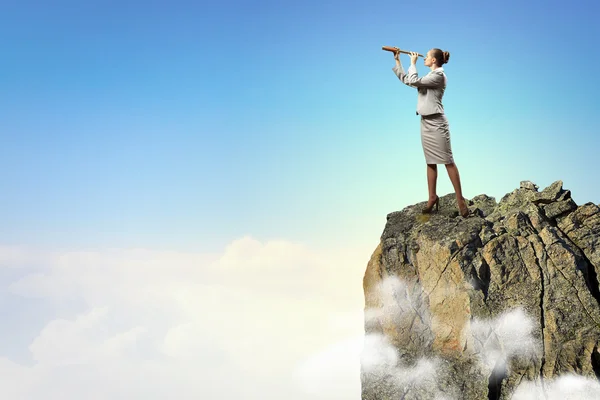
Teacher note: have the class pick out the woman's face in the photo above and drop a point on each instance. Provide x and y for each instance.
(428, 60)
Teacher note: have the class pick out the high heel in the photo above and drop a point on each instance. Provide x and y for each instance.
(436, 203)
(463, 212)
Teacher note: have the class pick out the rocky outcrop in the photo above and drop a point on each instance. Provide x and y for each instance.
(477, 307)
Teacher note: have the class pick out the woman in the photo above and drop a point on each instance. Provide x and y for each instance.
(435, 131)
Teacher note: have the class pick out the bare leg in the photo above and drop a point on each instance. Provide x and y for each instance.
(431, 182)
(455, 179)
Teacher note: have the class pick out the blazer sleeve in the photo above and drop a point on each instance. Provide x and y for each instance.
(431, 80)
(399, 71)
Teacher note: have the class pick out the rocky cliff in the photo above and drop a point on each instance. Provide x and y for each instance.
(498, 305)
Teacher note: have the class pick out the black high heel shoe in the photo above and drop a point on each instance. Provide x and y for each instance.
(436, 203)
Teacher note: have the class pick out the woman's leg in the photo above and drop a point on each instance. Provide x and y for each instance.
(455, 179)
(431, 182)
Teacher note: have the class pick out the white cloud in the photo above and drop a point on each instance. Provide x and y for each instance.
(17, 256)
(566, 387)
(158, 325)
(250, 254)
(86, 339)
(380, 361)
(507, 336)
(332, 373)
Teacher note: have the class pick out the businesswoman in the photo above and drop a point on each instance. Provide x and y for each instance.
(435, 130)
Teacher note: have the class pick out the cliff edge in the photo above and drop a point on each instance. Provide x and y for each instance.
(494, 306)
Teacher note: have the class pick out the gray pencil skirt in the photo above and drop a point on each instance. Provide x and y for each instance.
(435, 138)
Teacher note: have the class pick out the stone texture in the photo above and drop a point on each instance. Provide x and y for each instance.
(553, 210)
(529, 185)
(434, 278)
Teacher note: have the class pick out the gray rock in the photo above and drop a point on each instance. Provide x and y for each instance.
(484, 303)
(555, 209)
(529, 185)
(549, 194)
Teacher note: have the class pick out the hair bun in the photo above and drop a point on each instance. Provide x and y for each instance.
(446, 57)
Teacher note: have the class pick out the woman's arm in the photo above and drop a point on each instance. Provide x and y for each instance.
(428, 81)
(399, 71)
(432, 80)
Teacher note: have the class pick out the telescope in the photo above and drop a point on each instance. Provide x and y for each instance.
(397, 50)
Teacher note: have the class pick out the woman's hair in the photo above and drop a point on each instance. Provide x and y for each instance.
(441, 57)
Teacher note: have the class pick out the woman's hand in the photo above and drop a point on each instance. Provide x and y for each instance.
(397, 55)
(413, 57)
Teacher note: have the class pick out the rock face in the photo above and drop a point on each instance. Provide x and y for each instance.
(477, 307)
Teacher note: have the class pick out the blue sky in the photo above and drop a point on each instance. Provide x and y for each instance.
(186, 125)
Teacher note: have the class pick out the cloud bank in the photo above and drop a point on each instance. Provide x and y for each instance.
(248, 323)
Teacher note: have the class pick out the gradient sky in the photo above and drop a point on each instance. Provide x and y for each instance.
(180, 124)
(187, 126)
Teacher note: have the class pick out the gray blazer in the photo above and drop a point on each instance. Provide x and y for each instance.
(430, 88)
